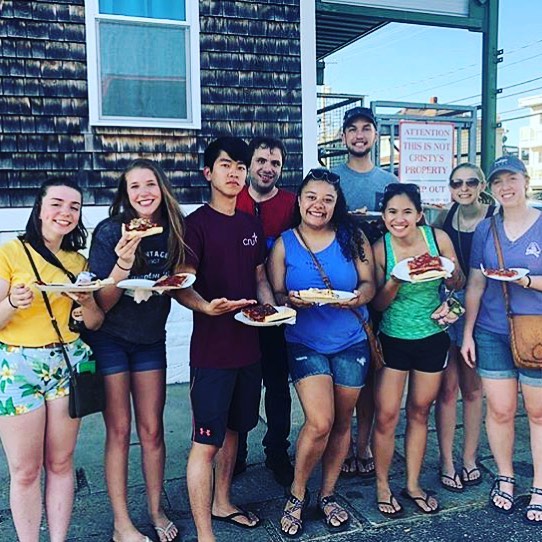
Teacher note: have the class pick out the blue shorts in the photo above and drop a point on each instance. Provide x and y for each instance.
(494, 359)
(31, 376)
(347, 368)
(115, 355)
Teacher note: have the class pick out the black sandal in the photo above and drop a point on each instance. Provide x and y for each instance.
(533, 508)
(333, 514)
(295, 505)
(497, 492)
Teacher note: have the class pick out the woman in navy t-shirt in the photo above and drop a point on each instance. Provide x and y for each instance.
(130, 347)
(328, 353)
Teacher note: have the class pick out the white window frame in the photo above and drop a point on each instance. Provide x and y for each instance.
(193, 86)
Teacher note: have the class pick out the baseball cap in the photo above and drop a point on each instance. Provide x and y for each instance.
(506, 163)
(357, 112)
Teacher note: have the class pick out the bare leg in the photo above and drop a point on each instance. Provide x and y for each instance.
(149, 395)
(390, 384)
(422, 391)
(23, 441)
(471, 392)
(316, 396)
(365, 412)
(199, 478)
(446, 419)
(533, 405)
(60, 439)
(118, 420)
(501, 411)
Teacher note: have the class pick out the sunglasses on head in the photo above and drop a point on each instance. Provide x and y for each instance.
(400, 188)
(323, 174)
(471, 183)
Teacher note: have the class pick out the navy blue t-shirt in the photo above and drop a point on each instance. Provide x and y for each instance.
(143, 323)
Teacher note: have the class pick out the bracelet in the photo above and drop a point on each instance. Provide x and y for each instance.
(528, 285)
(123, 268)
(11, 303)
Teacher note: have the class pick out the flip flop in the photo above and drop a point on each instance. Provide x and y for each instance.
(368, 464)
(241, 514)
(398, 512)
(346, 470)
(455, 479)
(467, 480)
(420, 499)
(164, 532)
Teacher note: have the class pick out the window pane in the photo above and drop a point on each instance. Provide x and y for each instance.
(155, 9)
(143, 70)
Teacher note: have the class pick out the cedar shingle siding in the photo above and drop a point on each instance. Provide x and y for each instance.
(250, 85)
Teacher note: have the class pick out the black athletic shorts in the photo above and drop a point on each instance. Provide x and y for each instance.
(428, 355)
(224, 399)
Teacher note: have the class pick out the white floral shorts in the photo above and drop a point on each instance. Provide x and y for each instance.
(31, 376)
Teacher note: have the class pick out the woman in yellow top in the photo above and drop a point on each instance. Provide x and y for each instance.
(35, 428)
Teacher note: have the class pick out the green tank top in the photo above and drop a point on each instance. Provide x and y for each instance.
(409, 314)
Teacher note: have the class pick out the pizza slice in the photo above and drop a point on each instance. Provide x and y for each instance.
(426, 267)
(141, 227)
(172, 281)
(503, 273)
(267, 313)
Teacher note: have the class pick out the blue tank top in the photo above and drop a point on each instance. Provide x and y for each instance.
(323, 328)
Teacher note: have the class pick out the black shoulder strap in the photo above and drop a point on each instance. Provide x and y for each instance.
(490, 211)
(449, 216)
(49, 257)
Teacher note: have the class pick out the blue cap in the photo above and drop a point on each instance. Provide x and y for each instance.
(506, 163)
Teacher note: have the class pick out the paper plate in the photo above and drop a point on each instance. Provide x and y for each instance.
(341, 296)
(146, 284)
(521, 272)
(74, 288)
(240, 317)
(402, 273)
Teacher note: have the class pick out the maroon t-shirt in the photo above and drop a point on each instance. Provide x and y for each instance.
(276, 214)
(225, 251)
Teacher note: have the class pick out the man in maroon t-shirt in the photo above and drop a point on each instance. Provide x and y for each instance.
(275, 208)
(226, 251)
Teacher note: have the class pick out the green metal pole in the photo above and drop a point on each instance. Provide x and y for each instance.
(490, 59)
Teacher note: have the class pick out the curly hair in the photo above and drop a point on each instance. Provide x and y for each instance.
(349, 236)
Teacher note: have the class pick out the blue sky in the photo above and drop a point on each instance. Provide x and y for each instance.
(413, 63)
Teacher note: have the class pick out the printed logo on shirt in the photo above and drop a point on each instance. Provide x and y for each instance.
(250, 241)
(533, 249)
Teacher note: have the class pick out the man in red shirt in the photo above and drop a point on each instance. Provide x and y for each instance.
(275, 207)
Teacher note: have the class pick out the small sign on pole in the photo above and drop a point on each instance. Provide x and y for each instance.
(426, 155)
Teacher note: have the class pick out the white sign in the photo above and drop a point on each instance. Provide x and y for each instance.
(426, 154)
(459, 8)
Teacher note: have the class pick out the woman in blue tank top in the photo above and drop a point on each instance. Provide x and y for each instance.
(467, 182)
(328, 354)
(413, 343)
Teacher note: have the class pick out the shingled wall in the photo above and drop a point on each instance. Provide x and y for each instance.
(250, 85)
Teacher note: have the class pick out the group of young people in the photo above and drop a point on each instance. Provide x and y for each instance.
(259, 244)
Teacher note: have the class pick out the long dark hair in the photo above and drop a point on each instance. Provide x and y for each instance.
(350, 238)
(169, 209)
(71, 242)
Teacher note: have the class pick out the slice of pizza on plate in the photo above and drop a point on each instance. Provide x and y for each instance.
(141, 227)
(501, 273)
(426, 267)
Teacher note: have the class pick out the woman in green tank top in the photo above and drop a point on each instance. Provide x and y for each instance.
(413, 342)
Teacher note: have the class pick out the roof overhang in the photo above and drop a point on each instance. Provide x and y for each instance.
(339, 23)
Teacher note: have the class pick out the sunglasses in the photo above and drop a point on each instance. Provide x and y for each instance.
(471, 183)
(401, 188)
(323, 174)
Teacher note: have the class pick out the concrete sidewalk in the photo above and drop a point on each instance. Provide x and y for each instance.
(464, 516)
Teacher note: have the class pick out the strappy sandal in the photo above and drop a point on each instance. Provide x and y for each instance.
(533, 508)
(334, 509)
(497, 492)
(293, 504)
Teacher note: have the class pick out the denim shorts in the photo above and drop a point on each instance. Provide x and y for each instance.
(31, 376)
(495, 361)
(115, 355)
(348, 368)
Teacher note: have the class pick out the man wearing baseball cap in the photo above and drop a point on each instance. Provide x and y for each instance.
(362, 182)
